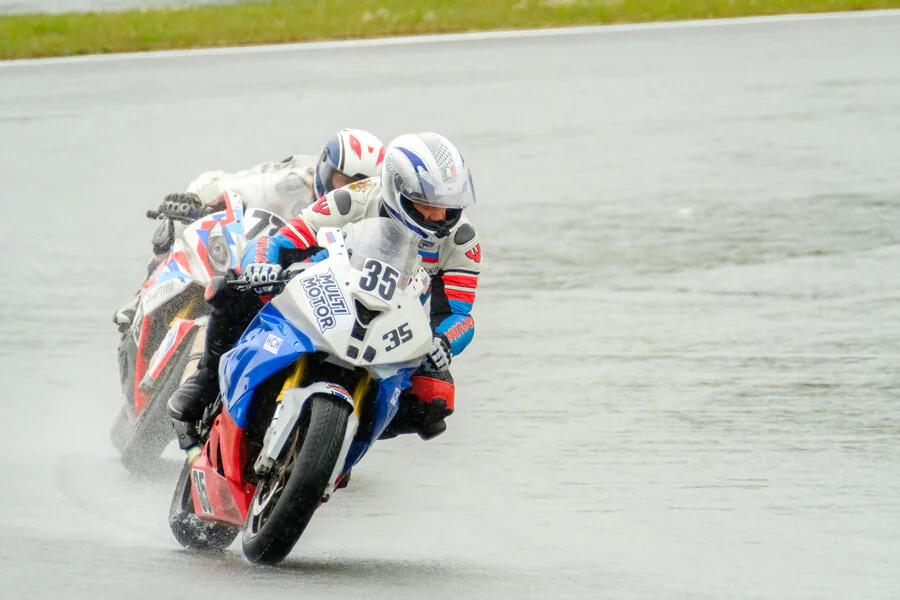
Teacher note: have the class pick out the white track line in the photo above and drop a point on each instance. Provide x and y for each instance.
(450, 37)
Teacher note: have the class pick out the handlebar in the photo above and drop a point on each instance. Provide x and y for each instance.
(241, 285)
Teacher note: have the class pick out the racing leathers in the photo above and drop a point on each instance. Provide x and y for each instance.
(453, 262)
(283, 187)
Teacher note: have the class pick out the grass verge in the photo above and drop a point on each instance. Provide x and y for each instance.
(279, 21)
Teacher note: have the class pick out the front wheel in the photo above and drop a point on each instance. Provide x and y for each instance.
(284, 502)
(191, 531)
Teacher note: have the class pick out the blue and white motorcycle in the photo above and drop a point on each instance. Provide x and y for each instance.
(313, 382)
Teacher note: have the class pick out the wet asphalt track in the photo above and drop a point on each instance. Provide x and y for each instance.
(684, 382)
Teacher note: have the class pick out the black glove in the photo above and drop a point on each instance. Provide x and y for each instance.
(182, 205)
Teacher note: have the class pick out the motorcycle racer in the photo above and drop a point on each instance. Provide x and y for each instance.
(284, 188)
(424, 186)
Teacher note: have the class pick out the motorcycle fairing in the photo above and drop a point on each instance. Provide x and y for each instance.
(269, 344)
(387, 402)
(170, 278)
(216, 496)
(178, 333)
(229, 224)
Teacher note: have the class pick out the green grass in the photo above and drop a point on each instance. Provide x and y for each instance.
(277, 21)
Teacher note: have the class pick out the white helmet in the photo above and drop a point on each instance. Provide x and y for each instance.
(355, 153)
(425, 168)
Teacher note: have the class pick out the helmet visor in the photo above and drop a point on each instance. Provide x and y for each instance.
(449, 188)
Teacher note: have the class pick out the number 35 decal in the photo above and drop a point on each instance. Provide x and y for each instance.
(381, 276)
(398, 336)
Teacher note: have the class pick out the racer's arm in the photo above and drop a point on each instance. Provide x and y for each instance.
(291, 176)
(453, 290)
(297, 239)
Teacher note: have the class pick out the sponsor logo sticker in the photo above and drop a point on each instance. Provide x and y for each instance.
(361, 185)
(160, 291)
(272, 343)
(325, 299)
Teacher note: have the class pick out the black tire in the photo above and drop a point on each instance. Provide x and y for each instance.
(153, 430)
(297, 483)
(191, 531)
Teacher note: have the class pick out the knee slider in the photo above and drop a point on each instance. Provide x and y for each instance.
(428, 389)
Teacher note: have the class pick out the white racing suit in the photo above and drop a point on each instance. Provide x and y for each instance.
(284, 188)
(454, 262)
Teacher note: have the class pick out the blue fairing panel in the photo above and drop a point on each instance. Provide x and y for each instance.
(268, 345)
(386, 405)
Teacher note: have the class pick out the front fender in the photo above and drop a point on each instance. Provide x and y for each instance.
(268, 345)
(287, 414)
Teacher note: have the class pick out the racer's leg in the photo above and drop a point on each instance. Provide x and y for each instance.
(232, 312)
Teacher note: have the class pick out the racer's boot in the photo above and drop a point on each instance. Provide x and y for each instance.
(424, 405)
(187, 403)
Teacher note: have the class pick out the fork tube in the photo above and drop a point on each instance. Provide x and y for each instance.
(359, 394)
(293, 380)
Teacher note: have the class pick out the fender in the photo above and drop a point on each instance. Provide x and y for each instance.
(285, 419)
(269, 344)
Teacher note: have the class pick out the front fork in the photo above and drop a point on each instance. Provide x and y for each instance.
(290, 404)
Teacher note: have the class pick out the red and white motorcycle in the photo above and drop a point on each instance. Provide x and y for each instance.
(165, 339)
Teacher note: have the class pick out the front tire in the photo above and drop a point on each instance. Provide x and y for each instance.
(190, 530)
(285, 501)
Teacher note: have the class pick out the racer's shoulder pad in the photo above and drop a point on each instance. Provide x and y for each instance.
(343, 201)
(464, 234)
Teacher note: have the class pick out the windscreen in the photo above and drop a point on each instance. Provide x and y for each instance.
(384, 240)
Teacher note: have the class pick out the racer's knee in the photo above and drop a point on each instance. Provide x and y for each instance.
(424, 406)
(434, 386)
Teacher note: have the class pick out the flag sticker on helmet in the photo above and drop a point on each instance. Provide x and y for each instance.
(448, 173)
(361, 185)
